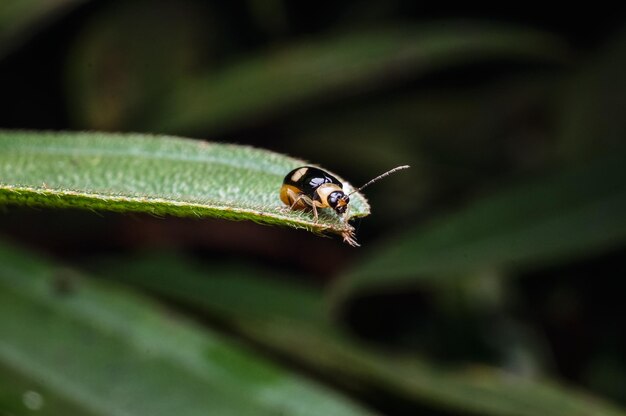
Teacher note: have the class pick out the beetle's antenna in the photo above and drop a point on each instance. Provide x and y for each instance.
(389, 172)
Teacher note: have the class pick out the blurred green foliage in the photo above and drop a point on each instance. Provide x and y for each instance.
(110, 352)
(290, 318)
(491, 277)
(20, 19)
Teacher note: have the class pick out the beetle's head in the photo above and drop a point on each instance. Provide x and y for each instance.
(338, 201)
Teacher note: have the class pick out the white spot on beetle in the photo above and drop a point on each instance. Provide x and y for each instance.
(298, 174)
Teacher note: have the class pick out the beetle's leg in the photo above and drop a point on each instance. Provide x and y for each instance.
(313, 204)
(308, 201)
(348, 237)
(314, 212)
(345, 215)
(316, 204)
(295, 201)
(295, 197)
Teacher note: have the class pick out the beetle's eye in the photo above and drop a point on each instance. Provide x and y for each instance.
(334, 198)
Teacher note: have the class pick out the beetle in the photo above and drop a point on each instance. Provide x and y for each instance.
(308, 187)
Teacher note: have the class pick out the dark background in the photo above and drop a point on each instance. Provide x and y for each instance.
(469, 127)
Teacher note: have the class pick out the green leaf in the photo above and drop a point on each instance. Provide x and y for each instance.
(91, 346)
(591, 119)
(337, 65)
(19, 18)
(290, 319)
(120, 65)
(579, 211)
(23, 395)
(154, 174)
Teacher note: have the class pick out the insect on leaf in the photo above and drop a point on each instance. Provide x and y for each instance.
(158, 175)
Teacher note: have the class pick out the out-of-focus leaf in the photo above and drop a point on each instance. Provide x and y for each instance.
(592, 112)
(288, 318)
(575, 212)
(129, 54)
(446, 123)
(24, 395)
(107, 352)
(325, 69)
(21, 18)
(154, 174)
